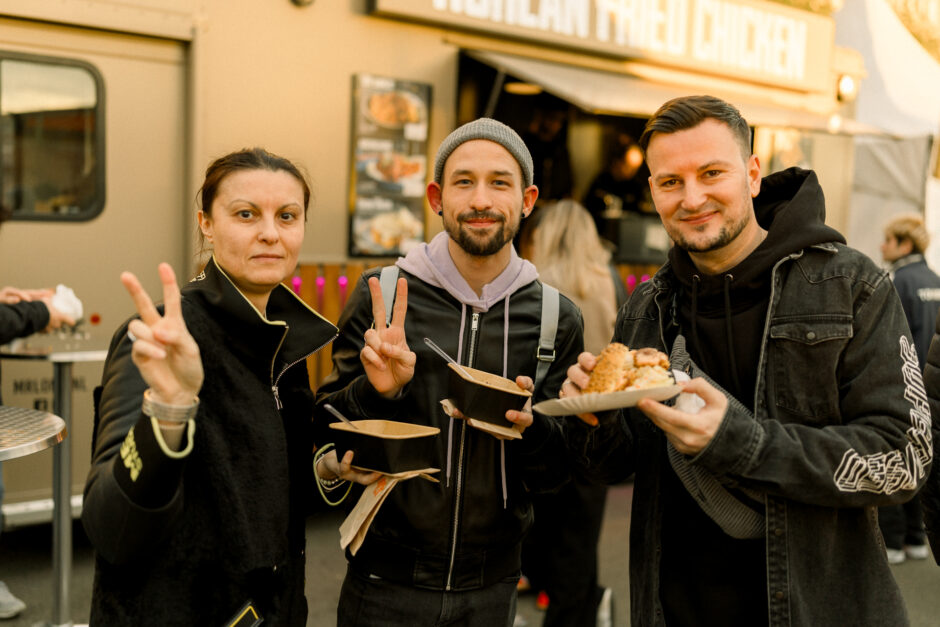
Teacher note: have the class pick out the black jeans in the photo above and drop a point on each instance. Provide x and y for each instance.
(369, 601)
(559, 555)
(902, 524)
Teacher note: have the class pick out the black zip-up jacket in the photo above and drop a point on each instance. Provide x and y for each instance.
(187, 538)
(919, 289)
(456, 536)
(22, 319)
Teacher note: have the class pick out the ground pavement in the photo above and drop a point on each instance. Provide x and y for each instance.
(26, 566)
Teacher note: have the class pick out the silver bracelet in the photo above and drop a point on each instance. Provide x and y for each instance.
(326, 484)
(168, 413)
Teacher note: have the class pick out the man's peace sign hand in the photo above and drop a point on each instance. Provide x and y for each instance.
(163, 350)
(388, 362)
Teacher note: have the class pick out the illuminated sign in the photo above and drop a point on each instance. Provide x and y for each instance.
(748, 39)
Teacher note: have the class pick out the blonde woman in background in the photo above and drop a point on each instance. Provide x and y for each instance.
(560, 554)
(561, 240)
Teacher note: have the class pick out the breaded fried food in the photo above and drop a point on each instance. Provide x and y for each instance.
(619, 368)
(613, 370)
(650, 357)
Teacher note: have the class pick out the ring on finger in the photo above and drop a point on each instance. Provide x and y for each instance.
(131, 336)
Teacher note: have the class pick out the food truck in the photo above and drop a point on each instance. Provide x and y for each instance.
(110, 110)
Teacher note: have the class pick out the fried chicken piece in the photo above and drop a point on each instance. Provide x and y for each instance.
(619, 368)
(614, 370)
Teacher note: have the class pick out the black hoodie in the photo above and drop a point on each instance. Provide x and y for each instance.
(723, 315)
(723, 318)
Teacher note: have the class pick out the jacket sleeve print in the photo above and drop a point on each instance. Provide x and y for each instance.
(898, 469)
(876, 451)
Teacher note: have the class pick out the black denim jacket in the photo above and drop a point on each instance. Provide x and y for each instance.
(839, 426)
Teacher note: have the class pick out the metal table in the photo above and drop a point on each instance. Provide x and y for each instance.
(61, 471)
(26, 431)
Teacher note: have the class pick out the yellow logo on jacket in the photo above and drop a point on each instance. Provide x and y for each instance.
(130, 456)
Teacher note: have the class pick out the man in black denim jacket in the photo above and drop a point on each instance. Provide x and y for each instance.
(760, 508)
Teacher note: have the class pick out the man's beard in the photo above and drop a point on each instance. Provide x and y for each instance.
(476, 246)
(726, 234)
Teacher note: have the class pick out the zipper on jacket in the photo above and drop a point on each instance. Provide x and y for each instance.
(474, 330)
(276, 380)
(274, 385)
(277, 399)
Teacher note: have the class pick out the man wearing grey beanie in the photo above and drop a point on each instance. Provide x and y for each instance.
(449, 552)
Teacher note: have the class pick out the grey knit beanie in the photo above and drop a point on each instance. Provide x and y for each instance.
(486, 128)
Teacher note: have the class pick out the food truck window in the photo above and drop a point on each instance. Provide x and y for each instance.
(51, 138)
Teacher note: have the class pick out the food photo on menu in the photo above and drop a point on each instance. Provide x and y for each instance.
(395, 108)
(382, 226)
(389, 165)
(382, 167)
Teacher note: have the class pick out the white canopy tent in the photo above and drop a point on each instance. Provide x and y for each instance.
(902, 96)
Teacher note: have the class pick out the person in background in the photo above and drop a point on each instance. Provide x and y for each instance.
(23, 312)
(547, 141)
(754, 504)
(202, 455)
(560, 553)
(448, 553)
(620, 187)
(906, 240)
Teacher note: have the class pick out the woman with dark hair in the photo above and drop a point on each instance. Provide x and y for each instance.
(201, 470)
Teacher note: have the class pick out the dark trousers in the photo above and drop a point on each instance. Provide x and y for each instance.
(902, 524)
(369, 601)
(559, 555)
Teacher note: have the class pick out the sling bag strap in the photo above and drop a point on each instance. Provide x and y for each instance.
(731, 513)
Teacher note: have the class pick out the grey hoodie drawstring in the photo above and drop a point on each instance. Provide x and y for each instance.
(734, 366)
(450, 424)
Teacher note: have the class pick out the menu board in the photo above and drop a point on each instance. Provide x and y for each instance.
(389, 169)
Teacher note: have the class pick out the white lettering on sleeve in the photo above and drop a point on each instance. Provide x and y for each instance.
(889, 472)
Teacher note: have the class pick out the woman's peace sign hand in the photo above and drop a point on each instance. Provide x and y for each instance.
(163, 350)
(388, 362)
